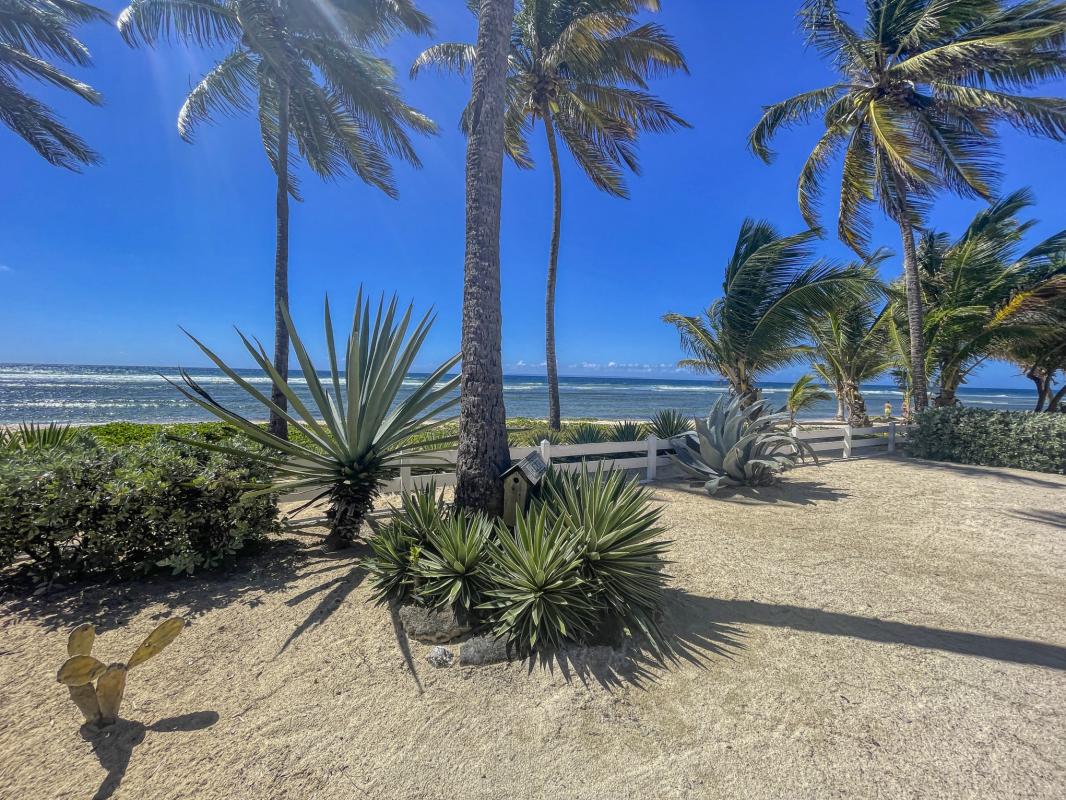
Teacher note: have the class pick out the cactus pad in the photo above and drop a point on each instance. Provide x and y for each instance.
(109, 690)
(163, 635)
(80, 641)
(80, 670)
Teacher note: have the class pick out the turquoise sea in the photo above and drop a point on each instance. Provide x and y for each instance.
(82, 394)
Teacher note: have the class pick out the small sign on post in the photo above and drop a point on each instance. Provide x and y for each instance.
(517, 483)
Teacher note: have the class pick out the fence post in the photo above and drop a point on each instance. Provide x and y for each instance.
(653, 456)
(546, 451)
(794, 431)
(847, 441)
(892, 436)
(405, 477)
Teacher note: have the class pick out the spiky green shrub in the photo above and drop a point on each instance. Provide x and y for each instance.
(738, 445)
(536, 596)
(619, 542)
(585, 433)
(360, 431)
(1019, 439)
(451, 564)
(628, 431)
(398, 545)
(668, 423)
(34, 436)
(81, 511)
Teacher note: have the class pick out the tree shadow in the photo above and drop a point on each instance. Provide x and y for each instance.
(1011, 474)
(113, 746)
(334, 590)
(111, 605)
(1055, 519)
(784, 492)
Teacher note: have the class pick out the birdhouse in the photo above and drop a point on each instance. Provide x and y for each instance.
(518, 482)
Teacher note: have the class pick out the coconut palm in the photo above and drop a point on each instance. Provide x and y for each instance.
(307, 70)
(852, 344)
(804, 394)
(772, 285)
(1041, 351)
(922, 87)
(31, 32)
(483, 452)
(969, 281)
(581, 68)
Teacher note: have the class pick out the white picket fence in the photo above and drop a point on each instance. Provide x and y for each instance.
(654, 456)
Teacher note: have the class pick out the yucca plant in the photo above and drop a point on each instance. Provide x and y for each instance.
(358, 431)
(451, 566)
(739, 445)
(31, 436)
(619, 542)
(394, 552)
(628, 431)
(585, 433)
(668, 423)
(536, 595)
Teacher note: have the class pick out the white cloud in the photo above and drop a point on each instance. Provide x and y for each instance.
(5, 268)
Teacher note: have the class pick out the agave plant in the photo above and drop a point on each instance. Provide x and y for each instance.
(451, 567)
(619, 541)
(585, 433)
(738, 445)
(536, 596)
(31, 436)
(668, 423)
(358, 432)
(628, 431)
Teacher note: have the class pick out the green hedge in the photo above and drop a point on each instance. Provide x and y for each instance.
(1019, 439)
(86, 511)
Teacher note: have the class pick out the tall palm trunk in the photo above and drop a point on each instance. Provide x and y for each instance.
(278, 425)
(857, 414)
(838, 390)
(554, 421)
(483, 453)
(915, 312)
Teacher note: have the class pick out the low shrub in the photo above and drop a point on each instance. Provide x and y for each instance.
(1019, 439)
(629, 431)
(585, 433)
(584, 558)
(668, 423)
(85, 511)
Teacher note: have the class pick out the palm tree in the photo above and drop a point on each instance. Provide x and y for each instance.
(804, 394)
(307, 70)
(1041, 351)
(968, 282)
(921, 90)
(853, 345)
(31, 31)
(772, 285)
(581, 67)
(483, 452)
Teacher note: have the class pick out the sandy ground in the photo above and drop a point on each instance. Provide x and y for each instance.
(875, 628)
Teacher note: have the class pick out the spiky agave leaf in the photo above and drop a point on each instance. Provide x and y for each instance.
(620, 542)
(668, 423)
(739, 445)
(394, 552)
(536, 596)
(359, 430)
(629, 431)
(452, 565)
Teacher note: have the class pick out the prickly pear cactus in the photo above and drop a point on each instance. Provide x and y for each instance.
(100, 704)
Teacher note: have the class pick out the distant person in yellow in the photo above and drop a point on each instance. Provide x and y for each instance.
(888, 409)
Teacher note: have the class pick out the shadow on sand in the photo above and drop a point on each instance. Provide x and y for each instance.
(114, 745)
(975, 471)
(1054, 519)
(785, 492)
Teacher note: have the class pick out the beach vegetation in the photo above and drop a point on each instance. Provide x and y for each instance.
(81, 511)
(33, 35)
(922, 90)
(584, 559)
(360, 429)
(586, 433)
(628, 430)
(667, 423)
(581, 69)
(773, 283)
(739, 444)
(310, 74)
(34, 436)
(1018, 439)
(804, 394)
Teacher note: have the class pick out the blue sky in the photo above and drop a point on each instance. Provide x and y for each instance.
(102, 267)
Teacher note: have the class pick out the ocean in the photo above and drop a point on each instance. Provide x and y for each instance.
(89, 394)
